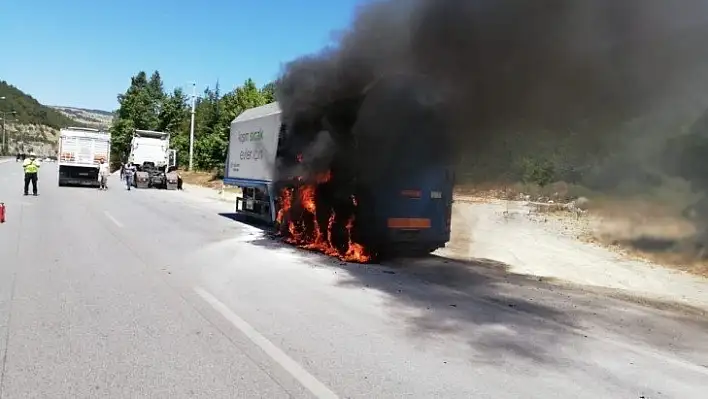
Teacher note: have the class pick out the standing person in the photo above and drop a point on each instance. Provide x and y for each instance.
(129, 172)
(31, 167)
(103, 173)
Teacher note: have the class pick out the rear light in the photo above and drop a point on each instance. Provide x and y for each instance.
(411, 193)
(408, 223)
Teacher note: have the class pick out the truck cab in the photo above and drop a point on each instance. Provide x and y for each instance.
(154, 160)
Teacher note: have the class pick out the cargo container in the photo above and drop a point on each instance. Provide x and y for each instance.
(406, 215)
(80, 153)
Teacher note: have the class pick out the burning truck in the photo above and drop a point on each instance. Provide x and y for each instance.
(362, 179)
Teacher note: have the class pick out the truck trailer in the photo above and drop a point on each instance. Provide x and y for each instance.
(406, 216)
(80, 153)
(155, 162)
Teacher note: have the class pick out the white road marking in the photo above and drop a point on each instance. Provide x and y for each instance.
(112, 219)
(307, 380)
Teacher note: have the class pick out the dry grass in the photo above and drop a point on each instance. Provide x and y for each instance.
(646, 230)
(204, 179)
(648, 227)
(558, 192)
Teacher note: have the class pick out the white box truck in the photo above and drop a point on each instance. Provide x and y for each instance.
(80, 153)
(250, 162)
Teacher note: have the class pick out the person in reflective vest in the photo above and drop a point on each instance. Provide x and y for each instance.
(31, 167)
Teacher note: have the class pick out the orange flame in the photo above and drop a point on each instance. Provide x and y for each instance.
(286, 197)
(319, 240)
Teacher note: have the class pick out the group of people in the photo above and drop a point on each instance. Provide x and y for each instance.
(127, 173)
(31, 166)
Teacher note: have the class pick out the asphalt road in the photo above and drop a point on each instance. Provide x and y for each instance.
(155, 294)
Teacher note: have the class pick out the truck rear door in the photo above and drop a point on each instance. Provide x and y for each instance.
(99, 150)
(84, 155)
(418, 208)
(69, 150)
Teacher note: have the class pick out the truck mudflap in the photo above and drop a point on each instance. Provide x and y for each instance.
(172, 179)
(142, 180)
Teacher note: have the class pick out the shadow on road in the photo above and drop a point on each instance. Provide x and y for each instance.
(248, 221)
(501, 313)
(434, 297)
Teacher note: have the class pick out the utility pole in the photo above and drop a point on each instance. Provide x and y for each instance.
(3, 130)
(4, 138)
(191, 127)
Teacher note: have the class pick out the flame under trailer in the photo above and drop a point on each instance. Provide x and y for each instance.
(407, 207)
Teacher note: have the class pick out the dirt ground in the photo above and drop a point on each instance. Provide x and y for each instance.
(556, 245)
(641, 231)
(650, 229)
(205, 179)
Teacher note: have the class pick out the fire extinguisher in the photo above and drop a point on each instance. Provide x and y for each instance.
(2, 212)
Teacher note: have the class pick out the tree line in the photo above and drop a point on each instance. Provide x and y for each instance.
(146, 105)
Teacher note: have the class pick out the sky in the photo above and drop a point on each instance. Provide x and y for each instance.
(82, 53)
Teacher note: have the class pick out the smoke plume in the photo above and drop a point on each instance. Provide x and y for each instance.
(492, 68)
(510, 63)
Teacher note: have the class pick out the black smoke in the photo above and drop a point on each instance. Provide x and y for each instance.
(545, 68)
(506, 64)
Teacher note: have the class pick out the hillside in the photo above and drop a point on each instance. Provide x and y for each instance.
(31, 126)
(90, 117)
(29, 111)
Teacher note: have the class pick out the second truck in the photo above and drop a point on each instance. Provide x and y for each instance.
(155, 162)
(80, 153)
